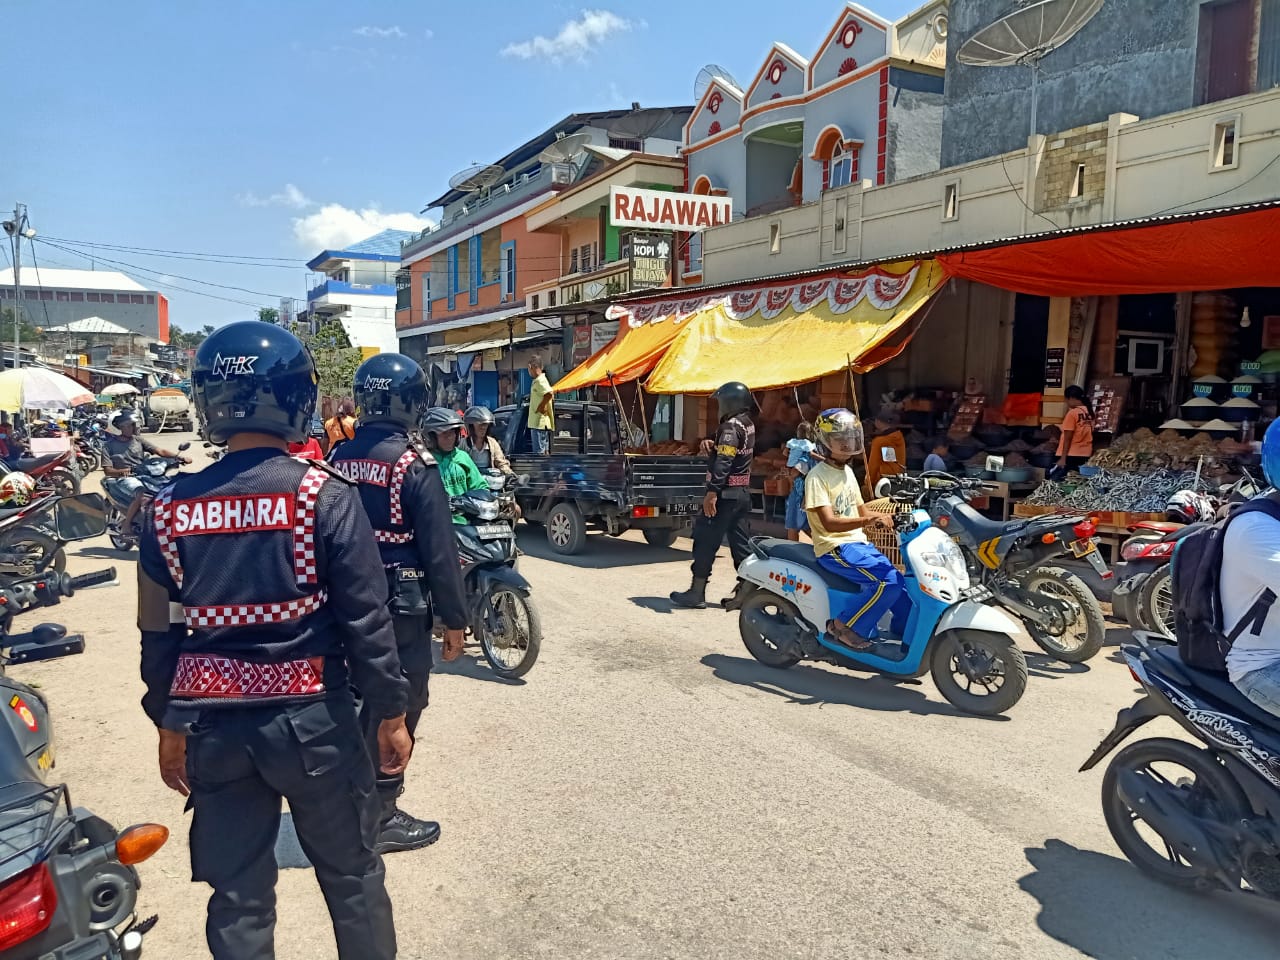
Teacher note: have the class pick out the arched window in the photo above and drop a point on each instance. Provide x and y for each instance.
(839, 168)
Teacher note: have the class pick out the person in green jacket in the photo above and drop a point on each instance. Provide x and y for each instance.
(458, 472)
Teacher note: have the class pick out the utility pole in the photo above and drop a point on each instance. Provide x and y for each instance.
(18, 228)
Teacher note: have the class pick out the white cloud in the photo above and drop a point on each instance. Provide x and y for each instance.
(576, 38)
(380, 33)
(334, 226)
(428, 34)
(290, 196)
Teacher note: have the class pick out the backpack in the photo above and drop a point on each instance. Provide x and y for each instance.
(1203, 639)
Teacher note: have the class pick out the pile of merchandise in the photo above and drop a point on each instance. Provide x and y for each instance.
(1125, 492)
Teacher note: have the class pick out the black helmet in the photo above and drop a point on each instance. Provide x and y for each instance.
(479, 415)
(390, 388)
(253, 377)
(440, 420)
(734, 398)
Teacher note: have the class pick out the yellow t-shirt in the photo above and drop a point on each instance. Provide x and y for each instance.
(537, 391)
(828, 485)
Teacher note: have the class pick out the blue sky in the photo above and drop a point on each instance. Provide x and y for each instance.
(267, 129)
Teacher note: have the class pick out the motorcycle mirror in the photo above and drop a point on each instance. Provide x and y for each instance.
(884, 487)
(184, 446)
(32, 651)
(81, 517)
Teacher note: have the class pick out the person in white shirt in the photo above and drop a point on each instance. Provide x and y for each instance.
(1251, 566)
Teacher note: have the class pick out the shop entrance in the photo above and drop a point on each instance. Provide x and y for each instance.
(1030, 340)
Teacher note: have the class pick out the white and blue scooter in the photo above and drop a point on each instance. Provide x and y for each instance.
(785, 599)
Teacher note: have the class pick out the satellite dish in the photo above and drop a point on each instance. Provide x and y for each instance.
(710, 73)
(565, 149)
(1026, 35)
(475, 178)
(640, 124)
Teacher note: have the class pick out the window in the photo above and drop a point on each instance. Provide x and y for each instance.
(1077, 182)
(93, 297)
(491, 256)
(586, 258)
(109, 297)
(1223, 67)
(507, 270)
(551, 298)
(775, 238)
(533, 302)
(573, 260)
(426, 297)
(695, 252)
(62, 296)
(1226, 155)
(951, 201)
(137, 298)
(32, 294)
(622, 143)
(839, 169)
(77, 298)
(46, 294)
(150, 299)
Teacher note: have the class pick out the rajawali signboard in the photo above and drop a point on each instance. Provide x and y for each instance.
(662, 210)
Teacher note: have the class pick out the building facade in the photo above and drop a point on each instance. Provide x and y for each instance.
(1144, 57)
(53, 297)
(357, 287)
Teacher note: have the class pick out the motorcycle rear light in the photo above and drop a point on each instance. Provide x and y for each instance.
(140, 842)
(27, 905)
(1131, 551)
(1162, 550)
(1085, 529)
(644, 511)
(1134, 673)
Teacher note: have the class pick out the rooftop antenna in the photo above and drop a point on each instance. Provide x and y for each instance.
(1026, 35)
(640, 124)
(708, 75)
(566, 149)
(477, 177)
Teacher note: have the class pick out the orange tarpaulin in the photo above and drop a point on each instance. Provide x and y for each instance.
(630, 355)
(1206, 253)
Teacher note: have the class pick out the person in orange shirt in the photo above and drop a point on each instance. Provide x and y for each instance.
(886, 451)
(1076, 444)
(342, 426)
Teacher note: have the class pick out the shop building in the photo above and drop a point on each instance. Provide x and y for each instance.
(461, 289)
(868, 105)
(356, 287)
(54, 297)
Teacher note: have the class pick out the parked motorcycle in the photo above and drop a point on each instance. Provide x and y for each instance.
(153, 472)
(1014, 560)
(68, 883)
(503, 618)
(29, 539)
(1200, 818)
(785, 600)
(56, 472)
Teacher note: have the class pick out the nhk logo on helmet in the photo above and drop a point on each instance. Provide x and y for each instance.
(232, 366)
(377, 383)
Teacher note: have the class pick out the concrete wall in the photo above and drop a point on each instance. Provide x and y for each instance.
(914, 130)
(140, 318)
(770, 167)
(855, 109)
(1136, 56)
(372, 325)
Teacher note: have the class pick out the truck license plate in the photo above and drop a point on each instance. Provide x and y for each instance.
(494, 531)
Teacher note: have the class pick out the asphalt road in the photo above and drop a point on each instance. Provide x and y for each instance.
(652, 792)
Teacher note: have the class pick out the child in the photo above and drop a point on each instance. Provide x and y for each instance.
(801, 456)
(838, 519)
(936, 462)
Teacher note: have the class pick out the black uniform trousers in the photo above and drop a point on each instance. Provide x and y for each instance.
(241, 761)
(413, 638)
(733, 510)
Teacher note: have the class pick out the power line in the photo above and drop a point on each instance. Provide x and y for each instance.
(159, 251)
(39, 287)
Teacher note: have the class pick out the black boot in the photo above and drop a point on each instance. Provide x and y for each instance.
(403, 832)
(695, 598)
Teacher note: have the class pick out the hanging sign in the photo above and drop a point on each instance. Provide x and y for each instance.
(1055, 359)
(663, 210)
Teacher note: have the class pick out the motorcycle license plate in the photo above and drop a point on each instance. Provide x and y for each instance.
(1088, 550)
(494, 531)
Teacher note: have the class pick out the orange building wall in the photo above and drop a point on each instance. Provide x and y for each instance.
(162, 310)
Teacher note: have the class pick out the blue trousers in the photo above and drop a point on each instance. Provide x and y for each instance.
(878, 583)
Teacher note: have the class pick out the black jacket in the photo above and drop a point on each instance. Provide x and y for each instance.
(252, 557)
(729, 465)
(370, 459)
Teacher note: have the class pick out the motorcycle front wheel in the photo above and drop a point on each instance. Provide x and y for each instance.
(979, 672)
(1186, 777)
(25, 552)
(509, 631)
(1073, 640)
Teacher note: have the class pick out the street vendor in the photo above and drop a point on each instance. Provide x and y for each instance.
(1075, 446)
(887, 453)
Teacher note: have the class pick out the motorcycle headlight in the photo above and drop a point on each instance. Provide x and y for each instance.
(949, 557)
(487, 511)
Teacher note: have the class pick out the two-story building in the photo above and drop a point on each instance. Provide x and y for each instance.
(53, 297)
(464, 278)
(357, 288)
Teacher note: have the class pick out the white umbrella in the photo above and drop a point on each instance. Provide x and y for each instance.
(120, 390)
(36, 388)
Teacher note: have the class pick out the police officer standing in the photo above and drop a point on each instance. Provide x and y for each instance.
(273, 565)
(402, 493)
(727, 505)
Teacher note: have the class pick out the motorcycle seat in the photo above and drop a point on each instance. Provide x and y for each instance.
(801, 554)
(27, 464)
(1216, 686)
(1159, 526)
(983, 529)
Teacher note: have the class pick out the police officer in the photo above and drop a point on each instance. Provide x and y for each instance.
(279, 600)
(402, 493)
(727, 505)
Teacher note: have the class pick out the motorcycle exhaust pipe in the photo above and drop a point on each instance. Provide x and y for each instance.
(1175, 825)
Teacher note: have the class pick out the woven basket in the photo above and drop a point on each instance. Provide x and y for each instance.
(886, 541)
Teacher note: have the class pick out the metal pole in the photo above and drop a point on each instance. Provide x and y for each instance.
(19, 215)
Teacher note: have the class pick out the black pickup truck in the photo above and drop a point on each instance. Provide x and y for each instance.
(587, 482)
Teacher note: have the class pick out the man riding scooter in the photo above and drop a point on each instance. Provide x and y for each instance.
(126, 450)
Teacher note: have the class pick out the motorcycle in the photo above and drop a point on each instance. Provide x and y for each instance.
(1014, 561)
(1207, 817)
(784, 600)
(503, 618)
(29, 539)
(56, 472)
(68, 878)
(153, 473)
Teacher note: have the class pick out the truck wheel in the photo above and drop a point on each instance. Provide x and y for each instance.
(566, 530)
(660, 537)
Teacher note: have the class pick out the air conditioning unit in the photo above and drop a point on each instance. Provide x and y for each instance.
(561, 173)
